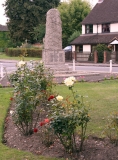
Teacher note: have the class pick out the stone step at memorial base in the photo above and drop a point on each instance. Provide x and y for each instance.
(74, 73)
(58, 68)
(80, 76)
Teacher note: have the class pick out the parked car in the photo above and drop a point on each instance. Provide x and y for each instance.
(68, 49)
(68, 53)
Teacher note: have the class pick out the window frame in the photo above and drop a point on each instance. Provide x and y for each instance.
(106, 28)
(79, 48)
(89, 28)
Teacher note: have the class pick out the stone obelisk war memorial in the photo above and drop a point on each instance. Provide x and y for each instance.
(53, 54)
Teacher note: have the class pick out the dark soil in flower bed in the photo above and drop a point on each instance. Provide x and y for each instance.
(94, 148)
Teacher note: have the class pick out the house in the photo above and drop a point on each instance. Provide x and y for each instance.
(3, 28)
(99, 27)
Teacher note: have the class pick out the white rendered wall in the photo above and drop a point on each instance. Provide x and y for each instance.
(83, 29)
(97, 28)
(114, 27)
(94, 28)
(86, 48)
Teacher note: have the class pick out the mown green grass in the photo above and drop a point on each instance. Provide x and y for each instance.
(4, 56)
(103, 100)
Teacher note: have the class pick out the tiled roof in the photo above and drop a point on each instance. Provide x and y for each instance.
(3, 28)
(95, 39)
(105, 12)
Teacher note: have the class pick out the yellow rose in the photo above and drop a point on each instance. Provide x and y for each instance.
(68, 82)
(72, 78)
(41, 62)
(59, 98)
(20, 64)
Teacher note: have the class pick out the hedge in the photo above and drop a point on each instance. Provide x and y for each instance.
(29, 52)
(4, 39)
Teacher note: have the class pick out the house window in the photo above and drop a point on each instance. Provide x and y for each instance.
(105, 28)
(89, 28)
(79, 48)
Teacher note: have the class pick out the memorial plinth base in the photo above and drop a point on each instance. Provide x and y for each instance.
(55, 60)
(53, 57)
(58, 68)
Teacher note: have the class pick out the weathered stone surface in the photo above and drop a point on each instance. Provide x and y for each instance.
(53, 53)
(53, 37)
(53, 57)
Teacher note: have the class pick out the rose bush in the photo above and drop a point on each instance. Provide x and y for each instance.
(111, 130)
(69, 118)
(32, 87)
(33, 97)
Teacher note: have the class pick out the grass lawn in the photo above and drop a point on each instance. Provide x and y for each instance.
(103, 99)
(4, 56)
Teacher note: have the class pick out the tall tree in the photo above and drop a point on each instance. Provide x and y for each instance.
(73, 36)
(25, 15)
(72, 13)
(39, 33)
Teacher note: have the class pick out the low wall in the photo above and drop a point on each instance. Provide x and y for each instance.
(84, 57)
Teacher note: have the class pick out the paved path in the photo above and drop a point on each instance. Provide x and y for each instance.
(80, 76)
(89, 77)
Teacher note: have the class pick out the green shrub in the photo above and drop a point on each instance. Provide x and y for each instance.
(4, 39)
(29, 52)
(68, 118)
(73, 36)
(1, 49)
(100, 48)
(32, 86)
(111, 131)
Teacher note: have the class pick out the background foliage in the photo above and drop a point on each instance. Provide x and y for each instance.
(25, 15)
(4, 40)
(29, 52)
(73, 36)
(100, 48)
(72, 13)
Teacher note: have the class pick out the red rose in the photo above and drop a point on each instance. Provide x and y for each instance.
(35, 130)
(11, 98)
(51, 97)
(41, 123)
